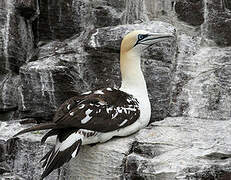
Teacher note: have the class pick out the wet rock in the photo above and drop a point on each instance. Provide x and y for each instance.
(100, 14)
(27, 8)
(46, 83)
(194, 84)
(218, 23)
(2, 150)
(190, 11)
(202, 85)
(108, 39)
(16, 38)
(161, 151)
(227, 4)
(4, 168)
(55, 20)
(22, 156)
(96, 14)
(160, 9)
(9, 92)
(187, 47)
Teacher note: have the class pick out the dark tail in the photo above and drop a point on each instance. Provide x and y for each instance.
(52, 132)
(38, 127)
(61, 153)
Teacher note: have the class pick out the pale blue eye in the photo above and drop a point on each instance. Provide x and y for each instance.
(140, 36)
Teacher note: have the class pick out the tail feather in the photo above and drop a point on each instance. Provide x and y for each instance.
(46, 157)
(67, 146)
(38, 127)
(52, 132)
(58, 157)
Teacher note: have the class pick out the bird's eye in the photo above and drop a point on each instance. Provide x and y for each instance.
(142, 36)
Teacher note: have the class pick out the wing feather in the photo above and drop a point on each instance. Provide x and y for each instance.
(102, 112)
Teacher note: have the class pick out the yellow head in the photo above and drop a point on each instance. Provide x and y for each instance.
(139, 40)
(133, 44)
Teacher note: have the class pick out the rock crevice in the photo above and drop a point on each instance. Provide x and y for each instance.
(53, 50)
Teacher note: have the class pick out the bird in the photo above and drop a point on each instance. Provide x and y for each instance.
(99, 115)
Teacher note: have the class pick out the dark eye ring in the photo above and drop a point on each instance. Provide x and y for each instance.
(142, 36)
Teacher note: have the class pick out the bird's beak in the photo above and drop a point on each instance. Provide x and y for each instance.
(153, 38)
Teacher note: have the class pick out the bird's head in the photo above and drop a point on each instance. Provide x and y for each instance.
(132, 46)
(139, 40)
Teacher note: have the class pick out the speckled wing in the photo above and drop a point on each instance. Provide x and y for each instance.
(101, 110)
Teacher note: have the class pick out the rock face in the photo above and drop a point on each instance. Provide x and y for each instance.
(20, 157)
(46, 83)
(83, 58)
(53, 50)
(190, 11)
(218, 15)
(55, 20)
(205, 91)
(175, 148)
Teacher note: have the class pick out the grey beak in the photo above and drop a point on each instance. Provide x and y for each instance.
(152, 38)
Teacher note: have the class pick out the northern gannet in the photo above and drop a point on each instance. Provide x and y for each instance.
(97, 116)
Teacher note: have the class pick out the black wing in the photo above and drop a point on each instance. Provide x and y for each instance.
(102, 110)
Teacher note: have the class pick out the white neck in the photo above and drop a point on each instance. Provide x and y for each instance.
(133, 81)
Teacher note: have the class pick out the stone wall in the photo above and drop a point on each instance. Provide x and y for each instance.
(53, 50)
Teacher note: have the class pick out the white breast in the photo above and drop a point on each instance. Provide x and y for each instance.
(145, 114)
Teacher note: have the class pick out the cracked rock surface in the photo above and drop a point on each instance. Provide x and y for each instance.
(175, 148)
(53, 50)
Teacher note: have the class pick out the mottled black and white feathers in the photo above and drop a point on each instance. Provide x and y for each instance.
(101, 110)
(83, 116)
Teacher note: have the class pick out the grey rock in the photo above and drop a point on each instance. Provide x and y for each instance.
(109, 38)
(201, 85)
(27, 8)
(22, 156)
(9, 92)
(16, 38)
(52, 78)
(175, 148)
(56, 20)
(217, 24)
(38, 72)
(190, 11)
(66, 18)
(25, 157)
(160, 9)
(47, 83)
(2, 151)
(4, 168)
(96, 14)
(227, 4)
